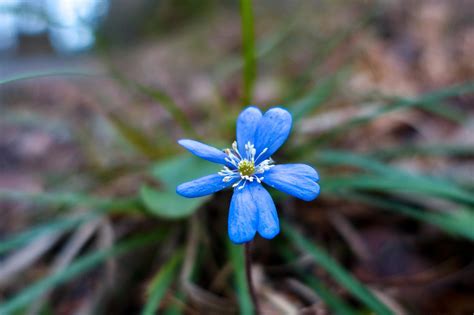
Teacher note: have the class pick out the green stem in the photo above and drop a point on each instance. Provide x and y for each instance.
(248, 43)
(248, 273)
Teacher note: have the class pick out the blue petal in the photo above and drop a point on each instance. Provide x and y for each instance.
(246, 126)
(272, 131)
(243, 216)
(203, 186)
(204, 151)
(298, 180)
(268, 224)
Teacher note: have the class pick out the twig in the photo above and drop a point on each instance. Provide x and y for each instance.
(26, 256)
(194, 292)
(352, 237)
(65, 257)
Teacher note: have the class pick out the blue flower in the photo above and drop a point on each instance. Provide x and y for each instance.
(246, 166)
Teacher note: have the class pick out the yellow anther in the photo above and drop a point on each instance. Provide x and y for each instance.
(246, 168)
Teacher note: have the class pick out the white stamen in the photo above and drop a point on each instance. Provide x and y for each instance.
(263, 151)
(236, 184)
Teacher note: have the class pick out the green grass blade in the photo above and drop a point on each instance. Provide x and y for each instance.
(77, 268)
(439, 149)
(409, 184)
(70, 200)
(160, 283)
(169, 104)
(134, 137)
(248, 43)
(237, 257)
(328, 46)
(264, 48)
(339, 274)
(390, 178)
(443, 111)
(63, 224)
(399, 104)
(42, 74)
(458, 222)
(334, 302)
(176, 308)
(158, 96)
(316, 97)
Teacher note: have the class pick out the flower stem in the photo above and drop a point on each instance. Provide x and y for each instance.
(248, 272)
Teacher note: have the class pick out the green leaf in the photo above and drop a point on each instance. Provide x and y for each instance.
(182, 168)
(237, 257)
(77, 268)
(333, 268)
(169, 205)
(172, 172)
(160, 283)
(248, 42)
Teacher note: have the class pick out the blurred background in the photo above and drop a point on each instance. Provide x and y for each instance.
(94, 95)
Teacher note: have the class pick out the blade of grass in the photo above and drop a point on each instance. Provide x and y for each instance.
(445, 112)
(169, 104)
(400, 104)
(391, 177)
(439, 109)
(42, 74)
(158, 96)
(322, 91)
(237, 258)
(459, 222)
(333, 301)
(176, 308)
(248, 43)
(135, 137)
(263, 48)
(160, 283)
(339, 274)
(440, 149)
(410, 185)
(59, 225)
(77, 268)
(69, 200)
(332, 43)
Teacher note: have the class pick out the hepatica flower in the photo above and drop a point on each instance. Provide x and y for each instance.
(248, 165)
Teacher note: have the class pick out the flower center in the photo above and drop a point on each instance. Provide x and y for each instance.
(246, 167)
